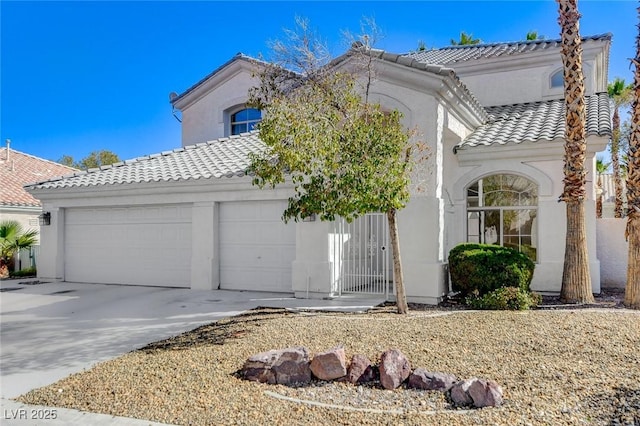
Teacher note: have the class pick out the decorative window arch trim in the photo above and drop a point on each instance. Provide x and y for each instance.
(544, 182)
(553, 75)
(227, 109)
(230, 106)
(390, 103)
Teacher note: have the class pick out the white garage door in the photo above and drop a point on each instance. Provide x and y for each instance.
(256, 247)
(129, 245)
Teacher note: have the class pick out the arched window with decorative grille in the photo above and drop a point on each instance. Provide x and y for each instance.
(502, 209)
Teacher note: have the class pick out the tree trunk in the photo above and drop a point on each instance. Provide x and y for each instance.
(401, 297)
(599, 197)
(632, 291)
(576, 277)
(615, 162)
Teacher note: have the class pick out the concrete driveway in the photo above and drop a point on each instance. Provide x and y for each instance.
(50, 330)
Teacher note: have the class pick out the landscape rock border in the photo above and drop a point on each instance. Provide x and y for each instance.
(293, 367)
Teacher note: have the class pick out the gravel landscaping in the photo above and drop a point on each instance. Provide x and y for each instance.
(556, 366)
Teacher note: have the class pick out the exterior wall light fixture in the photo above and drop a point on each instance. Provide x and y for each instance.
(45, 219)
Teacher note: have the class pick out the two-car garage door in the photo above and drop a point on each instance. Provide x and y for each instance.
(129, 245)
(151, 245)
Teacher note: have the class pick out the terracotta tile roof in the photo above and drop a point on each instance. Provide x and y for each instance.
(225, 157)
(537, 121)
(21, 169)
(452, 54)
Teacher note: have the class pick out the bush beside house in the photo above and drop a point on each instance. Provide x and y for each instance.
(492, 277)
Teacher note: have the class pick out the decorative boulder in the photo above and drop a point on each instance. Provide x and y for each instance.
(485, 393)
(284, 366)
(426, 380)
(394, 368)
(330, 365)
(459, 394)
(477, 392)
(361, 370)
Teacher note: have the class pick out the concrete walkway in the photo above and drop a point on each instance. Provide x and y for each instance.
(51, 330)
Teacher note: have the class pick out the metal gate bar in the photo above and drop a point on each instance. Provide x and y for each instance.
(361, 254)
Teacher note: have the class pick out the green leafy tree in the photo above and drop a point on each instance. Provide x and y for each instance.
(344, 155)
(13, 239)
(533, 35)
(465, 40)
(94, 160)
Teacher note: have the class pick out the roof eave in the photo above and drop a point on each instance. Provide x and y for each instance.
(236, 64)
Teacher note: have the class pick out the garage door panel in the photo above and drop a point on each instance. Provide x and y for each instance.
(256, 247)
(135, 245)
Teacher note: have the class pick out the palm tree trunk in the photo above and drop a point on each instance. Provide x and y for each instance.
(401, 297)
(576, 277)
(632, 292)
(615, 161)
(576, 290)
(599, 197)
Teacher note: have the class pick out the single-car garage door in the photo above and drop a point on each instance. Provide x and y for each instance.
(130, 245)
(256, 247)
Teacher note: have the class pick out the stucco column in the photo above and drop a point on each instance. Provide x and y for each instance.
(50, 262)
(205, 254)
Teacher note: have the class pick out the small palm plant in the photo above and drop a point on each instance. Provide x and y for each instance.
(13, 239)
(601, 168)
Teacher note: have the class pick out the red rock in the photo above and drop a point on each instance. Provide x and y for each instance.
(329, 365)
(394, 368)
(485, 393)
(477, 392)
(361, 370)
(284, 366)
(426, 380)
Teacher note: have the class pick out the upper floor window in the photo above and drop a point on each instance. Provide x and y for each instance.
(502, 209)
(557, 79)
(244, 120)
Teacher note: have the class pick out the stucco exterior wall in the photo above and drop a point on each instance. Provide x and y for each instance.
(613, 252)
(207, 119)
(547, 172)
(26, 217)
(505, 87)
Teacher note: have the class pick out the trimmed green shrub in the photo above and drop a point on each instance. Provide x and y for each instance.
(29, 272)
(505, 298)
(485, 267)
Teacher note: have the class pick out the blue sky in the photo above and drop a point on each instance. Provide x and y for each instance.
(83, 76)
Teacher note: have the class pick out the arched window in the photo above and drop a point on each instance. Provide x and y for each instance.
(244, 120)
(502, 209)
(557, 79)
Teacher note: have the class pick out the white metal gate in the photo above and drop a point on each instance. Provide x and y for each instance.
(361, 256)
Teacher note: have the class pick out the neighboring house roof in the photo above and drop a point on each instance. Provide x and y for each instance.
(452, 54)
(537, 121)
(225, 157)
(18, 169)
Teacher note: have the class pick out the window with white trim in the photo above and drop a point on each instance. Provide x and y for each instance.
(502, 209)
(557, 79)
(244, 120)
